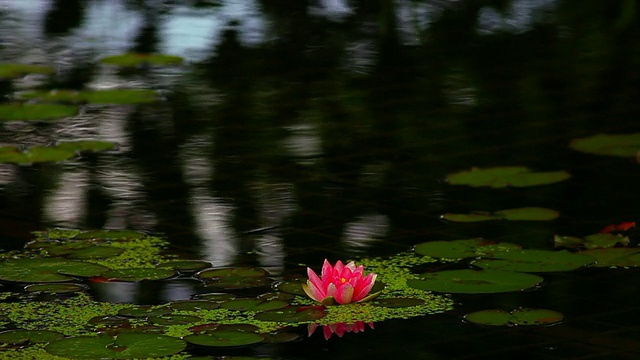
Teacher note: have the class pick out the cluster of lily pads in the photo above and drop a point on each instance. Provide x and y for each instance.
(231, 307)
(54, 104)
(61, 151)
(503, 267)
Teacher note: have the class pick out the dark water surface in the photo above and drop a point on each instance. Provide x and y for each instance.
(299, 130)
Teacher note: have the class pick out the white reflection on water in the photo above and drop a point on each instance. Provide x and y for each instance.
(66, 204)
(366, 229)
(212, 216)
(520, 17)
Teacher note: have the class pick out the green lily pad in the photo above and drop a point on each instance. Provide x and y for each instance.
(291, 287)
(11, 71)
(35, 154)
(127, 345)
(231, 272)
(623, 145)
(29, 112)
(218, 297)
(622, 256)
(253, 304)
(518, 317)
(224, 338)
(56, 249)
(138, 59)
(529, 260)
(194, 305)
(293, 314)
(47, 270)
(138, 274)
(517, 214)
(144, 311)
(174, 319)
(503, 176)
(279, 338)
(109, 235)
(238, 282)
(54, 288)
(81, 146)
(460, 249)
(121, 96)
(95, 252)
(398, 302)
(205, 328)
(20, 337)
(185, 265)
(567, 242)
(474, 281)
(605, 240)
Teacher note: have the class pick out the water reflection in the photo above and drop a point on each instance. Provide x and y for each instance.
(339, 328)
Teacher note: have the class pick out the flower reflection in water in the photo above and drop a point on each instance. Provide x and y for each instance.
(339, 328)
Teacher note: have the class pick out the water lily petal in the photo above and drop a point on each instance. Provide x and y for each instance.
(311, 291)
(364, 287)
(344, 294)
(316, 282)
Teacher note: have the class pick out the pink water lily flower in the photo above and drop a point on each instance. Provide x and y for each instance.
(340, 283)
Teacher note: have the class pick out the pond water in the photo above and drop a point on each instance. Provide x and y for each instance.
(295, 131)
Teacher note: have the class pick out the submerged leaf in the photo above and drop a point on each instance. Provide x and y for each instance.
(518, 317)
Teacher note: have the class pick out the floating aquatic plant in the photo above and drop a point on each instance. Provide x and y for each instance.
(503, 176)
(33, 112)
(517, 214)
(623, 145)
(517, 317)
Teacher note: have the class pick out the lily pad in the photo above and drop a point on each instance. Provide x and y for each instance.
(35, 154)
(291, 287)
(224, 338)
(231, 272)
(529, 260)
(54, 288)
(280, 337)
(95, 252)
(185, 265)
(11, 71)
(109, 235)
(460, 249)
(121, 96)
(127, 345)
(622, 256)
(503, 176)
(21, 337)
(174, 319)
(474, 281)
(218, 297)
(138, 274)
(293, 314)
(205, 328)
(144, 311)
(604, 240)
(518, 317)
(81, 146)
(194, 305)
(623, 145)
(398, 302)
(138, 59)
(29, 112)
(517, 214)
(253, 304)
(47, 270)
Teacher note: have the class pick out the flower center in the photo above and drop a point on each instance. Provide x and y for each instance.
(342, 280)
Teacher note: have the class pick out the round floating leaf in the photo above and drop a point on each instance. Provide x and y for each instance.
(231, 272)
(291, 287)
(95, 252)
(60, 249)
(528, 213)
(224, 338)
(194, 305)
(293, 314)
(398, 302)
(253, 304)
(605, 240)
(121, 96)
(86, 146)
(503, 176)
(238, 282)
(47, 270)
(10, 71)
(144, 311)
(568, 242)
(35, 154)
(623, 145)
(219, 297)
(109, 235)
(138, 274)
(185, 265)
(204, 328)
(174, 319)
(474, 281)
(622, 256)
(281, 337)
(67, 96)
(19, 337)
(460, 249)
(127, 345)
(535, 261)
(473, 217)
(54, 288)
(137, 59)
(519, 317)
(28, 112)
